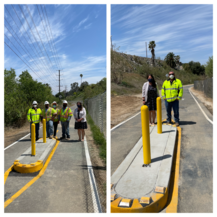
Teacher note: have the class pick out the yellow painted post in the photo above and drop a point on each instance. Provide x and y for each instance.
(159, 116)
(33, 139)
(145, 134)
(44, 131)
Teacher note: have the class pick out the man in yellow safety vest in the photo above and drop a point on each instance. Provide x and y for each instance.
(65, 116)
(47, 114)
(172, 92)
(33, 117)
(56, 118)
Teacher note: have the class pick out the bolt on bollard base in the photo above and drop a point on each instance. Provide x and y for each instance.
(145, 135)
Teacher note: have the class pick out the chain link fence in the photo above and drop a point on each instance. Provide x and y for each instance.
(205, 86)
(96, 107)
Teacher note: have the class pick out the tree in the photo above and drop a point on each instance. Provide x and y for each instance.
(151, 47)
(170, 59)
(177, 59)
(83, 85)
(197, 68)
(81, 77)
(74, 87)
(209, 67)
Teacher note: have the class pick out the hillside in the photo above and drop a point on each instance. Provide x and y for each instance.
(129, 72)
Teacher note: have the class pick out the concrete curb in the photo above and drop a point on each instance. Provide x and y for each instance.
(24, 164)
(154, 201)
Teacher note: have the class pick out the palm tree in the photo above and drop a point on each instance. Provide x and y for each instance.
(170, 59)
(151, 47)
(81, 77)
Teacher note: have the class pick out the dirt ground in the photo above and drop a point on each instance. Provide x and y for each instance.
(208, 102)
(123, 107)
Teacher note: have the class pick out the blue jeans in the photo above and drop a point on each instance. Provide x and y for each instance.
(49, 128)
(65, 129)
(175, 106)
(36, 130)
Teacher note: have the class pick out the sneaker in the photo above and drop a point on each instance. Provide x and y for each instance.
(177, 124)
(50, 137)
(68, 136)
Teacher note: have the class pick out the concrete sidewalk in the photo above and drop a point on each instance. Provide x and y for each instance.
(133, 181)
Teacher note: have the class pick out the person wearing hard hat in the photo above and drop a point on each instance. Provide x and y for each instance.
(55, 117)
(33, 117)
(65, 116)
(47, 114)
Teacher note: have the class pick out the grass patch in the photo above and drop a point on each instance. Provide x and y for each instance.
(98, 137)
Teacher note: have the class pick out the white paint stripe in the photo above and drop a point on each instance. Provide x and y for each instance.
(200, 107)
(94, 192)
(17, 141)
(124, 121)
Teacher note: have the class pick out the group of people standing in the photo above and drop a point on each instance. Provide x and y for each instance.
(172, 92)
(54, 116)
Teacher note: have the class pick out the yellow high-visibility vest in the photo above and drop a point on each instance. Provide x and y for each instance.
(65, 114)
(48, 115)
(34, 115)
(173, 91)
(57, 112)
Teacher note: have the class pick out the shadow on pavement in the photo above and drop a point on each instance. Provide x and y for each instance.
(160, 158)
(186, 122)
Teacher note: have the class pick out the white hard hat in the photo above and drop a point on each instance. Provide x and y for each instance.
(54, 102)
(34, 102)
(64, 101)
(46, 103)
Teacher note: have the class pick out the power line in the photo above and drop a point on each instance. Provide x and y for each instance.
(31, 30)
(46, 33)
(21, 59)
(38, 34)
(32, 43)
(20, 44)
(51, 35)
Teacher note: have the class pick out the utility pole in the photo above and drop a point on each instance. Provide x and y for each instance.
(146, 49)
(59, 82)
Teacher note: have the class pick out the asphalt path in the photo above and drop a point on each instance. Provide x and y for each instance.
(65, 185)
(196, 163)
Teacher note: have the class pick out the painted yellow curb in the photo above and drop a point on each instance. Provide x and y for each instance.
(28, 168)
(158, 203)
(173, 205)
(10, 200)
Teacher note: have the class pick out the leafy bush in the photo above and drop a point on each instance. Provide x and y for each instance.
(19, 93)
(209, 67)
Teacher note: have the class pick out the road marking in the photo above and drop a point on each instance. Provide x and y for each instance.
(200, 107)
(7, 173)
(94, 192)
(172, 207)
(17, 194)
(124, 121)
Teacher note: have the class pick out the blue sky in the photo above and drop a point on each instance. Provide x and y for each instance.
(185, 30)
(78, 33)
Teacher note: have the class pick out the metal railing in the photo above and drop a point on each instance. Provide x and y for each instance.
(96, 108)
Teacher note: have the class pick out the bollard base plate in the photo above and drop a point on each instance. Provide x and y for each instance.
(146, 165)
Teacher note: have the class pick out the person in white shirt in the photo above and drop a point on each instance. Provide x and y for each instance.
(80, 120)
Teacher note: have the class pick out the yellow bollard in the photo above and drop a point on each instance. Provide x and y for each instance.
(44, 131)
(159, 116)
(33, 139)
(145, 134)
